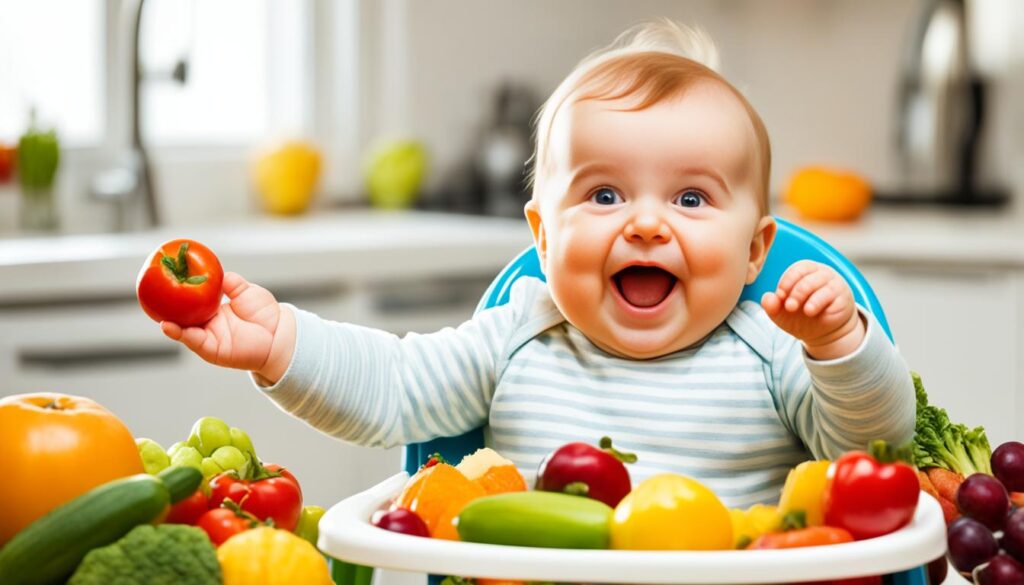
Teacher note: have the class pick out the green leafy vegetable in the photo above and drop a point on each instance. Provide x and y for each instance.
(941, 443)
(163, 555)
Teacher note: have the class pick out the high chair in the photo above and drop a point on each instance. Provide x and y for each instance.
(792, 243)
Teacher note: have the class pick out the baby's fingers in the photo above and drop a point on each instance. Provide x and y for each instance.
(793, 275)
(805, 287)
(820, 300)
(771, 303)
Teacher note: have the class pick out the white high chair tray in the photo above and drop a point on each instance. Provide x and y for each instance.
(346, 534)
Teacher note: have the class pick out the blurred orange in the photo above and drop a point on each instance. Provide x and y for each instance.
(437, 494)
(827, 194)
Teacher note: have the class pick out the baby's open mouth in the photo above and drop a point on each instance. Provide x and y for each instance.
(644, 286)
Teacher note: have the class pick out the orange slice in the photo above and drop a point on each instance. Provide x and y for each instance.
(492, 472)
(437, 494)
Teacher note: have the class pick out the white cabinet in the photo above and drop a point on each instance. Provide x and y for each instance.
(960, 327)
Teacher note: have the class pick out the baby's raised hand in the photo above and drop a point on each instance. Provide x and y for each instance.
(815, 304)
(246, 333)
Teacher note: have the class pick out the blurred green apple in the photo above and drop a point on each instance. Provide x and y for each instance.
(395, 172)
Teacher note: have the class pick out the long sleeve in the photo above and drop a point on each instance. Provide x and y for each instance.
(838, 405)
(373, 388)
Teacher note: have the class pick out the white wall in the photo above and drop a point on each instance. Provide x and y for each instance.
(823, 75)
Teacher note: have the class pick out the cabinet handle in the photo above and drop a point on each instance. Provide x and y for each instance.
(95, 357)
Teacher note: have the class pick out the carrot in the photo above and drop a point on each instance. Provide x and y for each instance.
(813, 536)
(949, 510)
(945, 481)
(926, 484)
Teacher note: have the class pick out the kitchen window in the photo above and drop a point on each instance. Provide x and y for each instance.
(52, 58)
(249, 69)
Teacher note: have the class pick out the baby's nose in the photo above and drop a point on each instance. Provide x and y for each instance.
(647, 226)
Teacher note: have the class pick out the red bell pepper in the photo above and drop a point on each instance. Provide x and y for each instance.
(870, 498)
(273, 493)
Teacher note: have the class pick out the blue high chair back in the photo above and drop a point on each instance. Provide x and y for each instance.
(792, 243)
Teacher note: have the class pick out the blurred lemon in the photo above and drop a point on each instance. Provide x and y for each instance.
(824, 194)
(286, 177)
(395, 172)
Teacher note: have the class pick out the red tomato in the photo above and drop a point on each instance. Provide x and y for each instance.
(869, 498)
(180, 282)
(221, 524)
(189, 510)
(8, 155)
(277, 497)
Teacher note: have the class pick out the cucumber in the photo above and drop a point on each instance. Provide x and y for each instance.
(541, 519)
(49, 549)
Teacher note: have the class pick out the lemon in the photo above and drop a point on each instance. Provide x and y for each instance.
(286, 178)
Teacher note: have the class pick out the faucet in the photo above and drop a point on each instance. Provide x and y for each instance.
(134, 180)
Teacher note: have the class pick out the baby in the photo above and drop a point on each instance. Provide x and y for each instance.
(650, 214)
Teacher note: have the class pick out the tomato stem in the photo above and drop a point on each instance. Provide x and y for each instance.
(606, 445)
(883, 452)
(178, 267)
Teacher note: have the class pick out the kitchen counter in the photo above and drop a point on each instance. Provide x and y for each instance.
(278, 252)
(926, 236)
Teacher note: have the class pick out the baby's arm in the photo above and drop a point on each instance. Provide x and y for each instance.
(839, 380)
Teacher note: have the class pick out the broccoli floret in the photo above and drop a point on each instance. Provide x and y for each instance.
(163, 555)
(940, 443)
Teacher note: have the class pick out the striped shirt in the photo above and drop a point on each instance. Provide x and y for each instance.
(735, 411)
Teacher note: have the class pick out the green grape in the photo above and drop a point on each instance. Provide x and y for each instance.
(154, 460)
(241, 441)
(193, 441)
(210, 468)
(175, 447)
(229, 457)
(210, 433)
(187, 457)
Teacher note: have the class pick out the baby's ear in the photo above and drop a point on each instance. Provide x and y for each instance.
(540, 239)
(764, 235)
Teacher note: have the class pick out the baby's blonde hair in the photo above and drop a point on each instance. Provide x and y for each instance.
(652, 62)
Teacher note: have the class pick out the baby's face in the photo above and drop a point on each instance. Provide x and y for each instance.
(649, 223)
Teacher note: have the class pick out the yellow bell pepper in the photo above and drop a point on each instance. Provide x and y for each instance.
(268, 556)
(805, 490)
(756, 520)
(671, 512)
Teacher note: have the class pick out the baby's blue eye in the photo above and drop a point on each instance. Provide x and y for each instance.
(690, 198)
(606, 196)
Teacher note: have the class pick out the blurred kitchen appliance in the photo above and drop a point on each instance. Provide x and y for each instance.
(941, 111)
(503, 150)
(492, 176)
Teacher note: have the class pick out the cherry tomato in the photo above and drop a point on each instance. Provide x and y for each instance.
(276, 496)
(180, 282)
(221, 524)
(189, 510)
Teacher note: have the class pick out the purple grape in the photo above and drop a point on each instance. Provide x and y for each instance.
(402, 521)
(1001, 570)
(1008, 465)
(1013, 535)
(984, 498)
(970, 544)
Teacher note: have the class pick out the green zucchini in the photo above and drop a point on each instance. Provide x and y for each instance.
(544, 519)
(49, 549)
